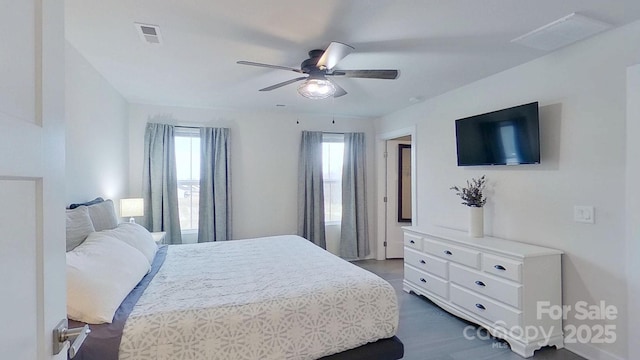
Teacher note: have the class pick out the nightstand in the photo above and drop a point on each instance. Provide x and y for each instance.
(158, 237)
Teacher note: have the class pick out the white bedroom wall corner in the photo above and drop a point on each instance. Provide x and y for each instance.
(633, 208)
(588, 81)
(97, 131)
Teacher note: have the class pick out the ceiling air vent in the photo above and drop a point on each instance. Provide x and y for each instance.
(149, 33)
(562, 32)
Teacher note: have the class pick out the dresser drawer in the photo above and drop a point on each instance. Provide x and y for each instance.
(506, 268)
(449, 252)
(412, 241)
(497, 315)
(426, 262)
(428, 282)
(503, 291)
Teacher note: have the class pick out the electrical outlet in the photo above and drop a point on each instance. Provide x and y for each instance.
(584, 214)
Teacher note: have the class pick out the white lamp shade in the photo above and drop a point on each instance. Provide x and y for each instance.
(131, 207)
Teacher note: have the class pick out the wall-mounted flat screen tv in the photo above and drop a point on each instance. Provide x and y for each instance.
(504, 137)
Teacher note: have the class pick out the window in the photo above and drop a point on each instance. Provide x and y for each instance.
(332, 157)
(187, 148)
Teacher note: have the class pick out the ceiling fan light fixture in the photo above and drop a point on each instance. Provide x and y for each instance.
(316, 88)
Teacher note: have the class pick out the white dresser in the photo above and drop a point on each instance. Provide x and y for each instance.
(492, 282)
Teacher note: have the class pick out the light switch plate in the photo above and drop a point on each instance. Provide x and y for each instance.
(584, 214)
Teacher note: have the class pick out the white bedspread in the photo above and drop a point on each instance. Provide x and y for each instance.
(269, 298)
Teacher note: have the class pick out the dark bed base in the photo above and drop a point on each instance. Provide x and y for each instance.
(384, 349)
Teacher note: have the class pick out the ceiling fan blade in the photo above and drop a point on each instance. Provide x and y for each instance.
(367, 74)
(339, 90)
(335, 52)
(251, 63)
(272, 87)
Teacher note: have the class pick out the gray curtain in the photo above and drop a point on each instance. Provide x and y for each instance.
(354, 238)
(160, 184)
(215, 185)
(311, 189)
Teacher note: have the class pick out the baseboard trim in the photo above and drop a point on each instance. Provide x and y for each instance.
(588, 351)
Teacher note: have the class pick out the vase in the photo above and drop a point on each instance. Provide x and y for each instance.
(476, 221)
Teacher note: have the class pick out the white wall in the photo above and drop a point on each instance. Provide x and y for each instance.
(97, 161)
(633, 206)
(582, 95)
(264, 160)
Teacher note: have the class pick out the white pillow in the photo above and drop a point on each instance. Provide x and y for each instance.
(136, 236)
(103, 215)
(101, 272)
(79, 226)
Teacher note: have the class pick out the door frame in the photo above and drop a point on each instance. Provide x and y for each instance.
(381, 176)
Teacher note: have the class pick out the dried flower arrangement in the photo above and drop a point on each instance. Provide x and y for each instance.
(472, 194)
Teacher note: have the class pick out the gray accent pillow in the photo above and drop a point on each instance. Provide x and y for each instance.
(79, 226)
(103, 215)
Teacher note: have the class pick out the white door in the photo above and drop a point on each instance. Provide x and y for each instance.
(394, 235)
(32, 223)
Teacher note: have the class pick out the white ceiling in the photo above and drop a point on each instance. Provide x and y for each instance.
(437, 45)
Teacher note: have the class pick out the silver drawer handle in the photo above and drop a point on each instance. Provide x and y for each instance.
(480, 283)
(499, 267)
(480, 306)
(447, 252)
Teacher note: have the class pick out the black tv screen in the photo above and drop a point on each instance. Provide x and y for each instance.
(504, 137)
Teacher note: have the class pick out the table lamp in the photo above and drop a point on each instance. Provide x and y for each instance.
(131, 207)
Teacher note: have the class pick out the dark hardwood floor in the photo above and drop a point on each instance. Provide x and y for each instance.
(430, 333)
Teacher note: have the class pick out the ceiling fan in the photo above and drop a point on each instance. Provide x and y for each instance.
(318, 66)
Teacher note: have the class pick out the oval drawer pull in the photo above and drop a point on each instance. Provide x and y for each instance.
(480, 283)
(422, 262)
(411, 241)
(480, 306)
(423, 280)
(499, 267)
(447, 252)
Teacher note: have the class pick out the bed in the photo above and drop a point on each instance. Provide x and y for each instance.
(276, 297)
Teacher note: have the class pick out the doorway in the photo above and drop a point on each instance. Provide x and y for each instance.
(398, 205)
(381, 186)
